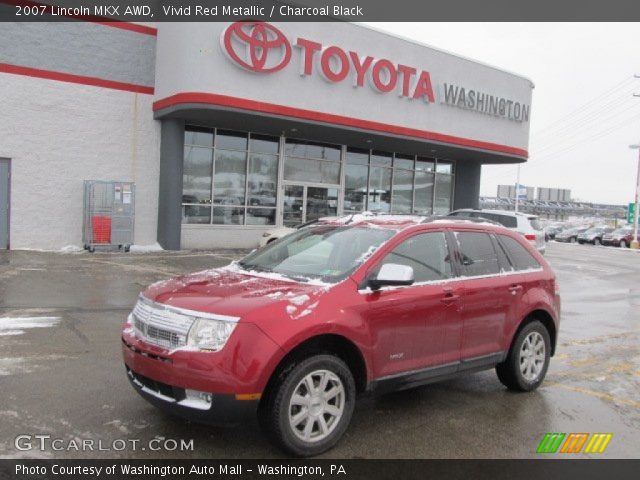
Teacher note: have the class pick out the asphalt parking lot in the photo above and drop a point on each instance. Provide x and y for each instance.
(65, 377)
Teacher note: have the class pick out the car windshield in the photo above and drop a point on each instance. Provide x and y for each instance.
(326, 252)
(594, 230)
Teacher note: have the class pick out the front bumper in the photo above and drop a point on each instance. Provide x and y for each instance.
(235, 377)
(220, 409)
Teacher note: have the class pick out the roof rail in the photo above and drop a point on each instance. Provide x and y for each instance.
(460, 217)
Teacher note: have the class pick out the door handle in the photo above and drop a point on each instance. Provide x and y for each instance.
(449, 297)
(514, 289)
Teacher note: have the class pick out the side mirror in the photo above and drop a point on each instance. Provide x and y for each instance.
(392, 274)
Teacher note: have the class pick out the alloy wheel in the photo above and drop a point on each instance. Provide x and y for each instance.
(316, 406)
(532, 357)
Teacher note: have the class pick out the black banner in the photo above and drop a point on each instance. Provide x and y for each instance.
(318, 10)
(347, 469)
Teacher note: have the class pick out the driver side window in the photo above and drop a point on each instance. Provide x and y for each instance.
(426, 253)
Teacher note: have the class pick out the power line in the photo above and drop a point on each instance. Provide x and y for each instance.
(608, 92)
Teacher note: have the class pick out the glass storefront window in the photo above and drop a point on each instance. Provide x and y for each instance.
(403, 161)
(355, 188)
(402, 190)
(231, 140)
(382, 159)
(444, 185)
(263, 180)
(261, 216)
(305, 149)
(197, 175)
(229, 177)
(199, 136)
(379, 198)
(425, 164)
(311, 170)
(263, 144)
(423, 200)
(241, 172)
(444, 167)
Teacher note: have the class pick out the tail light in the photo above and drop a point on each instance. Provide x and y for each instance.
(530, 236)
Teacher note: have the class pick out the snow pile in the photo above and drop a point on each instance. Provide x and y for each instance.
(17, 325)
(146, 248)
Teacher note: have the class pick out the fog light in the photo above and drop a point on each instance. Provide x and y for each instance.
(197, 399)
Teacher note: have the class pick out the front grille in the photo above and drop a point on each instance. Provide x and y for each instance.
(160, 326)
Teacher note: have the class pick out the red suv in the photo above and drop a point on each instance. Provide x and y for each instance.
(297, 329)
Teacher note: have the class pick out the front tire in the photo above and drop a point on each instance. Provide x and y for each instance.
(597, 241)
(572, 240)
(310, 406)
(528, 359)
(623, 244)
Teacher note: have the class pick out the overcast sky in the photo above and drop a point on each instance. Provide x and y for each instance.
(584, 116)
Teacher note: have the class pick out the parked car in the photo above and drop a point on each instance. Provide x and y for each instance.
(553, 230)
(528, 225)
(593, 235)
(279, 232)
(296, 330)
(621, 237)
(570, 235)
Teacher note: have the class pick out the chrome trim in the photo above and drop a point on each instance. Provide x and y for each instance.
(191, 313)
(167, 326)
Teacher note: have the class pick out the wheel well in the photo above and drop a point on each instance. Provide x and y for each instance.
(328, 344)
(543, 317)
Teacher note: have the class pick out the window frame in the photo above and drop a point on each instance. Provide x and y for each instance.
(510, 256)
(464, 271)
(374, 268)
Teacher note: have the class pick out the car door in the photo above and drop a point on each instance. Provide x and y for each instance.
(417, 326)
(487, 303)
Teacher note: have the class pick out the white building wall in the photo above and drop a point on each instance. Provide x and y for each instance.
(59, 134)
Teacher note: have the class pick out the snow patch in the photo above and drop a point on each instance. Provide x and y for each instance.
(10, 326)
(299, 300)
(155, 247)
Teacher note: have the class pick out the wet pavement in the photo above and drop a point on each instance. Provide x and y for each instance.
(61, 372)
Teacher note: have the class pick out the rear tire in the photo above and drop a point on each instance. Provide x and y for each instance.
(528, 359)
(309, 407)
(597, 241)
(572, 240)
(623, 244)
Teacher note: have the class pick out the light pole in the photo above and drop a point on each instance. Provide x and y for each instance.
(634, 240)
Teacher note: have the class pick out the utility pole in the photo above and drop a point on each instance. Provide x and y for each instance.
(634, 240)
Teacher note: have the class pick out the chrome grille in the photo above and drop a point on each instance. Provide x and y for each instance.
(160, 325)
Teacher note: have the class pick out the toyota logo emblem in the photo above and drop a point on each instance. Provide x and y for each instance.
(256, 46)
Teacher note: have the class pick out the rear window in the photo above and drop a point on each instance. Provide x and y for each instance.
(477, 253)
(535, 223)
(520, 258)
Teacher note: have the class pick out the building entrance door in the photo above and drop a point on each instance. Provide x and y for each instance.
(4, 203)
(304, 203)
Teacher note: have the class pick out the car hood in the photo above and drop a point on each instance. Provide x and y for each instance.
(234, 292)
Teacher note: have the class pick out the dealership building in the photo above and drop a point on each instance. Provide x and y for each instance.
(231, 129)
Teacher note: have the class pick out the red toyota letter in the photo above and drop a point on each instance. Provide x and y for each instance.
(361, 68)
(424, 88)
(376, 75)
(407, 73)
(309, 48)
(325, 64)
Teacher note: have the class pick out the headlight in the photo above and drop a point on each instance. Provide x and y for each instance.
(266, 234)
(210, 334)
